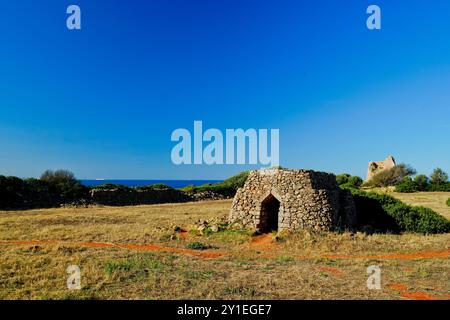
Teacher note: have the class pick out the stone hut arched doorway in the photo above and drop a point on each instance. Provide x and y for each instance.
(268, 220)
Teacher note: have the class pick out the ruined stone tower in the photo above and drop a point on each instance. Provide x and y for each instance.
(378, 166)
(278, 199)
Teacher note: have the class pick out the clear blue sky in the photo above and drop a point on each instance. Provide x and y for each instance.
(103, 101)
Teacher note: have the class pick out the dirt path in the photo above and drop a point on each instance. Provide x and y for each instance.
(399, 256)
(332, 270)
(143, 247)
(262, 242)
(404, 293)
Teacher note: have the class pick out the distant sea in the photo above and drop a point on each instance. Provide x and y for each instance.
(139, 183)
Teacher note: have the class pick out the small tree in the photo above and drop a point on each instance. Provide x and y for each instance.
(346, 180)
(421, 182)
(59, 177)
(355, 181)
(65, 184)
(392, 176)
(406, 186)
(438, 176)
(342, 178)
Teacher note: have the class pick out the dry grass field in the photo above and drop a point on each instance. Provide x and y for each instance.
(138, 253)
(433, 200)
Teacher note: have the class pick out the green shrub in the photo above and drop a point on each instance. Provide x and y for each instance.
(383, 212)
(237, 181)
(12, 192)
(443, 187)
(197, 246)
(40, 194)
(448, 202)
(348, 186)
(346, 181)
(226, 188)
(391, 177)
(408, 185)
(342, 178)
(156, 186)
(421, 182)
(112, 186)
(65, 185)
(355, 181)
(54, 189)
(438, 177)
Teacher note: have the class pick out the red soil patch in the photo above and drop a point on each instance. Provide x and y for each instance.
(401, 256)
(335, 271)
(183, 234)
(418, 296)
(404, 293)
(143, 247)
(398, 287)
(263, 242)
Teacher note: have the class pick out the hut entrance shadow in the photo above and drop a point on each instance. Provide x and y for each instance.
(269, 214)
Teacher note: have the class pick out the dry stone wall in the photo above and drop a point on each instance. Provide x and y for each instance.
(131, 196)
(296, 198)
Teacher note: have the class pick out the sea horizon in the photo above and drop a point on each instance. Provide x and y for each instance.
(180, 183)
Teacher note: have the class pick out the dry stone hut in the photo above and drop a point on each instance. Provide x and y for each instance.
(278, 199)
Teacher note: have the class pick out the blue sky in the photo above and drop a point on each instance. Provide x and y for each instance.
(103, 101)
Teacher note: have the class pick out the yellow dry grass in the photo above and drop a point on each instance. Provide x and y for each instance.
(300, 265)
(433, 200)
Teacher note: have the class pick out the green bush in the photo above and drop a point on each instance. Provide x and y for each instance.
(12, 192)
(111, 186)
(227, 187)
(355, 181)
(346, 181)
(348, 186)
(342, 178)
(438, 177)
(443, 187)
(65, 185)
(237, 181)
(421, 182)
(197, 246)
(385, 213)
(52, 190)
(418, 219)
(156, 186)
(448, 202)
(408, 185)
(391, 177)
